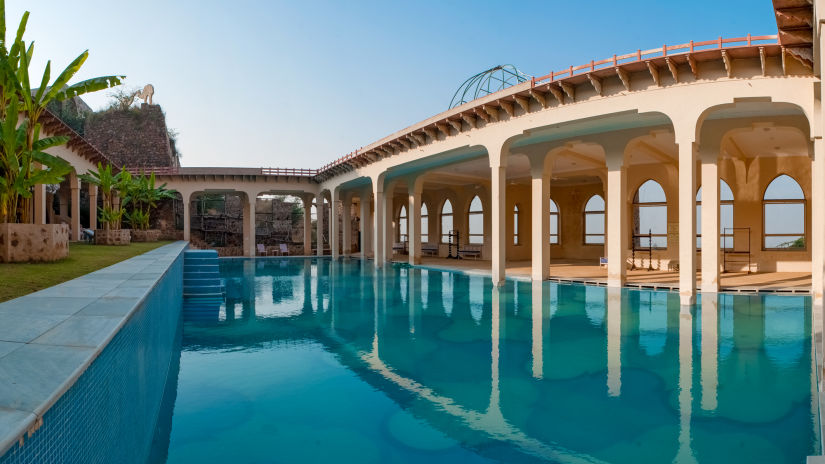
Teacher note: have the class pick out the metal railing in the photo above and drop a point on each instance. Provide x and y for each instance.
(289, 172)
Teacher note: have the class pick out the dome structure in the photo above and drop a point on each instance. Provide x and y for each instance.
(487, 82)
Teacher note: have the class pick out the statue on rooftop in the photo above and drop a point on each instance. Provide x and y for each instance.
(146, 93)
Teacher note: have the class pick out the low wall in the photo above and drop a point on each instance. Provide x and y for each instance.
(100, 372)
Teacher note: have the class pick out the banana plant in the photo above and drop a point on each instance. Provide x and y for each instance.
(110, 185)
(144, 197)
(23, 161)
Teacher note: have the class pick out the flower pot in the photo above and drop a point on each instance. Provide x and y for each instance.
(149, 235)
(112, 237)
(33, 242)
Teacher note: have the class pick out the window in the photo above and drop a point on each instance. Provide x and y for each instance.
(446, 221)
(515, 225)
(475, 218)
(554, 223)
(783, 215)
(594, 221)
(402, 225)
(650, 216)
(425, 224)
(725, 216)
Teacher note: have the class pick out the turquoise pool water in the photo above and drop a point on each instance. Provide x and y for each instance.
(320, 361)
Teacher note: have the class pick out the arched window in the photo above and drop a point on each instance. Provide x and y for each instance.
(425, 224)
(594, 221)
(475, 219)
(783, 215)
(650, 216)
(515, 225)
(725, 216)
(402, 225)
(554, 223)
(446, 221)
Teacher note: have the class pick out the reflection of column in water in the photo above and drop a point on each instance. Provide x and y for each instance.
(413, 295)
(307, 286)
(538, 307)
(494, 352)
(333, 268)
(815, 330)
(685, 453)
(614, 341)
(710, 349)
(248, 289)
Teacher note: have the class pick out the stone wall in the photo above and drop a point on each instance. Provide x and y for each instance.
(136, 137)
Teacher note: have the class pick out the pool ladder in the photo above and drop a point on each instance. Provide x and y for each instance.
(203, 288)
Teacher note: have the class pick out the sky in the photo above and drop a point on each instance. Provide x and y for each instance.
(298, 84)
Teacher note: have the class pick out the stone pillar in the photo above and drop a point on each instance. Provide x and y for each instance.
(414, 221)
(818, 223)
(365, 222)
(92, 207)
(63, 200)
(334, 204)
(39, 204)
(687, 222)
(389, 216)
(540, 221)
(710, 223)
(617, 222)
(307, 202)
(319, 224)
(378, 223)
(346, 224)
(498, 240)
(249, 245)
(187, 215)
(74, 184)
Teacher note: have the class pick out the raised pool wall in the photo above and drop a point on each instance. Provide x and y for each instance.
(111, 408)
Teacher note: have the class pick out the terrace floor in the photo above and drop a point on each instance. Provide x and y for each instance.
(585, 271)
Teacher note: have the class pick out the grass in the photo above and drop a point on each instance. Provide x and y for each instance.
(20, 279)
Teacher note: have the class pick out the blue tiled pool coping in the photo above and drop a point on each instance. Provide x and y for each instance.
(49, 338)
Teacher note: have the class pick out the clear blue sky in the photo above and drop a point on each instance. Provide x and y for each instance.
(297, 84)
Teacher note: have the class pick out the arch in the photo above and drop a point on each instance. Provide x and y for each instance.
(401, 230)
(425, 223)
(650, 216)
(515, 225)
(475, 221)
(783, 215)
(725, 216)
(446, 220)
(555, 215)
(594, 221)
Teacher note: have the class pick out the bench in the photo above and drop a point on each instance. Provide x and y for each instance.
(429, 249)
(400, 247)
(470, 250)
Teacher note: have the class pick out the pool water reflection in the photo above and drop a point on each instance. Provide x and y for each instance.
(313, 360)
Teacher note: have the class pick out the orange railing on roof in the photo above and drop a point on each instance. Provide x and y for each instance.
(157, 170)
(289, 172)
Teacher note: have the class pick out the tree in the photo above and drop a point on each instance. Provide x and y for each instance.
(23, 161)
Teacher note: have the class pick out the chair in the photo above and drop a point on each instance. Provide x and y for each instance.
(602, 262)
(283, 249)
(261, 249)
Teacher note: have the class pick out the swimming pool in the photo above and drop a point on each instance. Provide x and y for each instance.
(313, 360)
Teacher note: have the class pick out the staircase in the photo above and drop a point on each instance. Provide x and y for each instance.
(203, 288)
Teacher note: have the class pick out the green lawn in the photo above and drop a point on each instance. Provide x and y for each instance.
(22, 278)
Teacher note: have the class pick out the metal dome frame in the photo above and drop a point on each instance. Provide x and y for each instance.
(486, 82)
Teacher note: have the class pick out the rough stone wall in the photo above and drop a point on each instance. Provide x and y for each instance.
(136, 137)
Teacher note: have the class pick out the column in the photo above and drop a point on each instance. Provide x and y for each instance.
(74, 184)
(63, 200)
(346, 225)
(540, 222)
(249, 226)
(818, 223)
(498, 217)
(335, 197)
(39, 204)
(364, 201)
(389, 231)
(414, 221)
(187, 214)
(710, 223)
(307, 202)
(92, 207)
(687, 222)
(617, 223)
(378, 223)
(319, 224)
